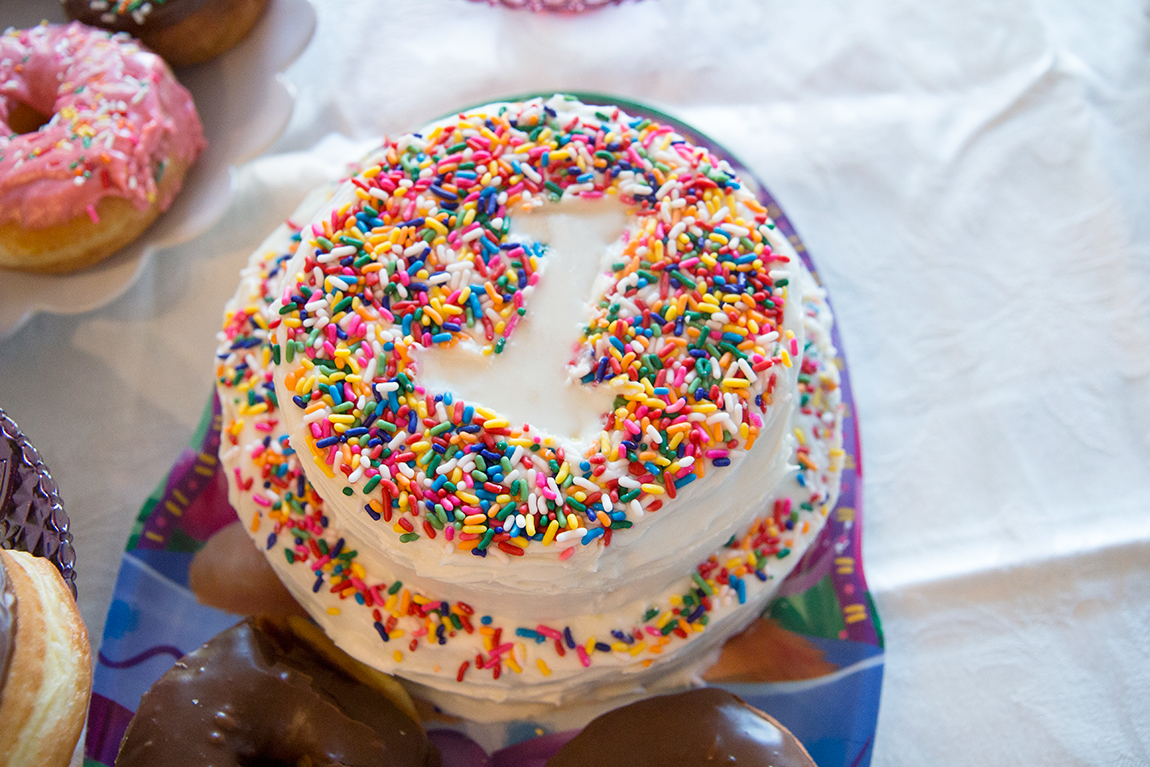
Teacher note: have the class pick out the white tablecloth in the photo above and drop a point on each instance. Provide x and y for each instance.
(973, 180)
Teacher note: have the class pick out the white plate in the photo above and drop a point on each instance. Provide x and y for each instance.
(244, 104)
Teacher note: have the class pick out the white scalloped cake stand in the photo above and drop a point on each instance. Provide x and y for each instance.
(244, 103)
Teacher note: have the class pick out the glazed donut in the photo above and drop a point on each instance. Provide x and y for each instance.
(698, 728)
(767, 652)
(45, 663)
(97, 135)
(231, 574)
(274, 691)
(182, 31)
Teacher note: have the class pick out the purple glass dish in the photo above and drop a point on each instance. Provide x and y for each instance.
(32, 518)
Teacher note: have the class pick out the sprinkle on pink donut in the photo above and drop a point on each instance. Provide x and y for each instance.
(118, 118)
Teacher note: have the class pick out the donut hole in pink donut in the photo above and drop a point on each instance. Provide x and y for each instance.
(26, 119)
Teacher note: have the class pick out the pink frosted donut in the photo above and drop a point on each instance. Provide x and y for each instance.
(96, 137)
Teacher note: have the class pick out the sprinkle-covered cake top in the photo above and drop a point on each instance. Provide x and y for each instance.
(417, 253)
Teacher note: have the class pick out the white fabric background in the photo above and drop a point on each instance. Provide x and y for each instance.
(972, 178)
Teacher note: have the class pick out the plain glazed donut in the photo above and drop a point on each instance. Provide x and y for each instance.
(44, 690)
(231, 574)
(274, 691)
(121, 135)
(182, 31)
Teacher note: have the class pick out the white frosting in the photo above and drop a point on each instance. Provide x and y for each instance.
(529, 382)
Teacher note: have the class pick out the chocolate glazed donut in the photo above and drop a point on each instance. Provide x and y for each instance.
(182, 31)
(120, 17)
(257, 694)
(696, 728)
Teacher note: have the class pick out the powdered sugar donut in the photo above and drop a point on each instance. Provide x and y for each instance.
(120, 133)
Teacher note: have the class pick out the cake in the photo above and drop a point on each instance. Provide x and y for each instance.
(536, 408)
